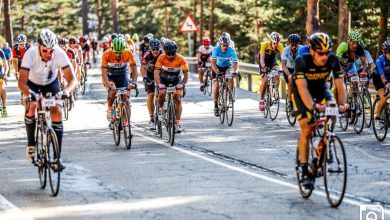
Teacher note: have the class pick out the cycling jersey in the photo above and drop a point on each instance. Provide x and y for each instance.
(288, 56)
(170, 69)
(86, 48)
(269, 54)
(18, 53)
(148, 60)
(130, 45)
(105, 46)
(343, 53)
(303, 50)
(118, 70)
(2, 74)
(359, 64)
(142, 49)
(224, 59)
(70, 53)
(7, 52)
(43, 73)
(383, 66)
(94, 45)
(77, 49)
(205, 53)
(2, 55)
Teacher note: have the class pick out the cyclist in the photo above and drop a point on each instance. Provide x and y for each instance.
(8, 55)
(105, 45)
(223, 58)
(370, 61)
(381, 78)
(288, 63)
(95, 50)
(203, 55)
(147, 70)
(145, 45)
(18, 52)
(129, 43)
(3, 93)
(311, 91)
(167, 71)
(305, 48)
(38, 73)
(79, 56)
(117, 63)
(85, 50)
(268, 51)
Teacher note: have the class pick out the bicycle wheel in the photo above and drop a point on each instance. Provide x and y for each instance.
(367, 107)
(343, 120)
(158, 123)
(126, 127)
(41, 158)
(83, 84)
(53, 159)
(116, 124)
(291, 119)
(171, 123)
(305, 193)
(274, 103)
(65, 109)
(210, 84)
(335, 172)
(358, 124)
(379, 126)
(229, 110)
(221, 105)
(267, 99)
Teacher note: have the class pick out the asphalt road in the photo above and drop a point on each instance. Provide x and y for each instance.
(246, 171)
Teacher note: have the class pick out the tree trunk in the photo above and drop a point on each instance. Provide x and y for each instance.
(114, 12)
(201, 21)
(195, 36)
(343, 21)
(383, 20)
(99, 14)
(312, 20)
(85, 11)
(166, 18)
(8, 22)
(211, 26)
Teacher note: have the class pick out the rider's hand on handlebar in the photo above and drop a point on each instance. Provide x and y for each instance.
(132, 86)
(343, 108)
(161, 86)
(319, 107)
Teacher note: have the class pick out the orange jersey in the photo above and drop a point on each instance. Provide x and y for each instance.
(109, 58)
(174, 66)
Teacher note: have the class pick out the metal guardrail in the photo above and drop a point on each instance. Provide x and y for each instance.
(247, 70)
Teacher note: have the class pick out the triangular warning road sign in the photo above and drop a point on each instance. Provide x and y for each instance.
(188, 25)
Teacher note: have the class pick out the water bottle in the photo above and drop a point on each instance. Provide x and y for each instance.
(316, 141)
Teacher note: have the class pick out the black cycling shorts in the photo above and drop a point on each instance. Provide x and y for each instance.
(221, 69)
(120, 81)
(52, 88)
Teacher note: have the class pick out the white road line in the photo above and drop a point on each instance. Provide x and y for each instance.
(240, 170)
(10, 211)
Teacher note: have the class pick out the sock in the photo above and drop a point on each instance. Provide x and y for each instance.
(30, 130)
(59, 130)
(216, 104)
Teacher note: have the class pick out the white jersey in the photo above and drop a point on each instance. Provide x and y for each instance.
(43, 73)
(203, 51)
(288, 56)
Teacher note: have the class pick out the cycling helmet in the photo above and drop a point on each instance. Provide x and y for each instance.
(106, 39)
(47, 38)
(135, 37)
(275, 37)
(150, 35)
(354, 36)
(294, 39)
(320, 41)
(147, 38)
(386, 47)
(170, 47)
(82, 39)
(62, 41)
(226, 34)
(117, 45)
(114, 35)
(206, 41)
(224, 39)
(127, 37)
(72, 40)
(154, 44)
(21, 39)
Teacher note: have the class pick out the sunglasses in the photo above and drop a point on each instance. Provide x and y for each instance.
(323, 53)
(22, 44)
(170, 55)
(49, 51)
(224, 45)
(155, 49)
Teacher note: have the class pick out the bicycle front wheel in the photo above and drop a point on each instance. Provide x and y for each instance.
(290, 118)
(229, 110)
(171, 123)
(126, 127)
(83, 84)
(358, 124)
(267, 99)
(274, 103)
(305, 193)
(54, 162)
(157, 120)
(65, 109)
(379, 126)
(335, 172)
(41, 158)
(221, 105)
(210, 84)
(367, 108)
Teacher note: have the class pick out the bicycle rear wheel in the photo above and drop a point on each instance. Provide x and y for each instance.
(126, 127)
(54, 166)
(291, 119)
(267, 100)
(358, 124)
(335, 172)
(343, 120)
(229, 110)
(41, 158)
(158, 123)
(305, 193)
(379, 126)
(171, 123)
(210, 84)
(274, 103)
(367, 107)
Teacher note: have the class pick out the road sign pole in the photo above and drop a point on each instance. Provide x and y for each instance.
(189, 45)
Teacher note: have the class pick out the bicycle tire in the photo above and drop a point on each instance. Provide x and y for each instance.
(229, 107)
(383, 125)
(291, 119)
(65, 108)
(357, 126)
(116, 133)
(305, 193)
(210, 87)
(367, 108)
(41, 158)
(126, 129)
(221, 106)
(171, 123)
(335, 196)
(274, 103)
(266, 102)
(53, 160)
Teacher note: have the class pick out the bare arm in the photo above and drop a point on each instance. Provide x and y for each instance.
(214, 65)
(304, 93)
(70, 79)
(157, 76)
(22, 82)
(105, 78)
(341, 91)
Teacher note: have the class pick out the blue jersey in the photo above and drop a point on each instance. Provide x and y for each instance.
(383, 66)
(2, 55)
(224, 59)
(303, 50)
(7, 53)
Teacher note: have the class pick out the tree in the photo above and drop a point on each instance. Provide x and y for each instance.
(8, 22)
(343, 21)
(312, 21)
(85, 11)
(114, 12)
(211, 24)
(383, 22)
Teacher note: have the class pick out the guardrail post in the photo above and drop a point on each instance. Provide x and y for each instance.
(250, 82)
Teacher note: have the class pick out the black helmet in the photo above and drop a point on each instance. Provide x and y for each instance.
(114, 35)
(386, 47)
(147, 38)
(62, 41)
(294, 39)
(154, 44)
(170, 47)
(320, 41)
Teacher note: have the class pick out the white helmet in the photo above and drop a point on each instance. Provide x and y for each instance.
(105, 39)
(275, 37)
(47, 38)
(127, 37)
(21, 38)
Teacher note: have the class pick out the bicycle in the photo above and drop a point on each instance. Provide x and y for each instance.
(367, 103)
(208, 82)
(84, 77)
(271, 95)
(47, 150)
(354, 114)
(226, 97)
(381, 126)
(120, 120)
(326, 157)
